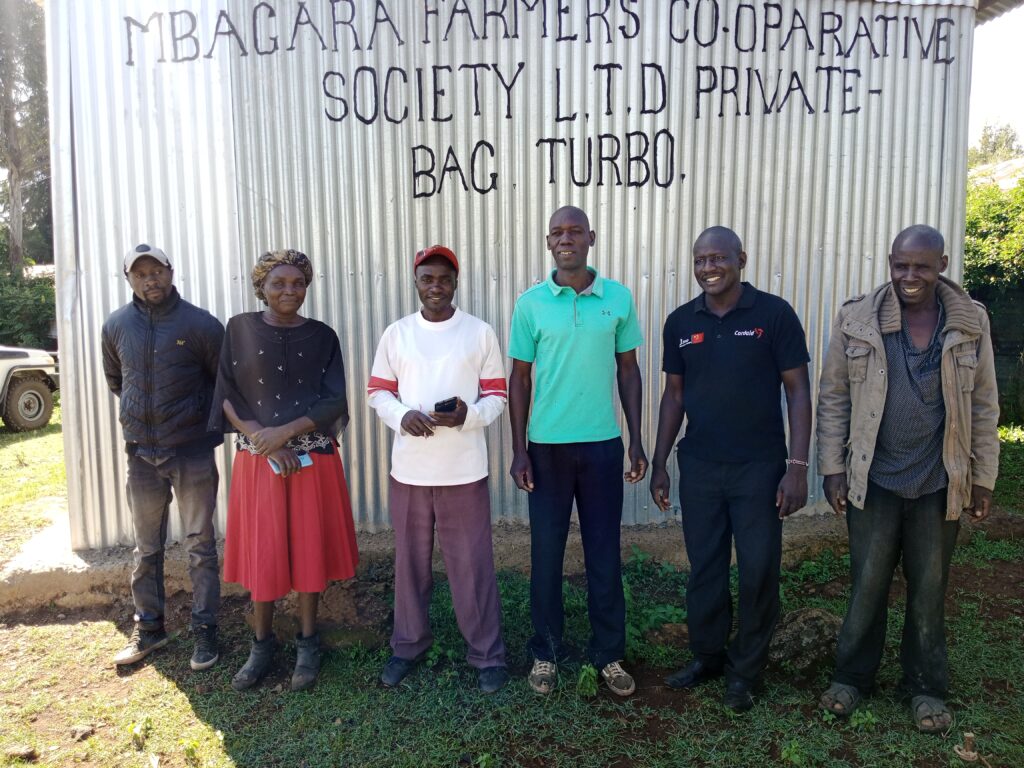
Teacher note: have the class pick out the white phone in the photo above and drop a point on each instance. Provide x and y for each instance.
(304, 461)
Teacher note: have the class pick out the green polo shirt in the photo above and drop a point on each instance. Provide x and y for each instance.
(572, 340)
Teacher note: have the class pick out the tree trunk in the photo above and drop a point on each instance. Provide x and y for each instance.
(15, 255)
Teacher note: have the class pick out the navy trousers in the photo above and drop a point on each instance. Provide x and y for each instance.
(720, 503)
(590, 474)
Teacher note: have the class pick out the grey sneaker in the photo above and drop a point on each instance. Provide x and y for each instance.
(619, 681)
(543, 676)
(142, 643)
(205, 654)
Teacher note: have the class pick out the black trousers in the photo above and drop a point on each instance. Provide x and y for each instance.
(721, 503)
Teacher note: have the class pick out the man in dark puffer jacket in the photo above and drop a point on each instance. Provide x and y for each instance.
(160, 357)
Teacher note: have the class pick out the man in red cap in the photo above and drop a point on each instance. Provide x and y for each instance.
(438, 380)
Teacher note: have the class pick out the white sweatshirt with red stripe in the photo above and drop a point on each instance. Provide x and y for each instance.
(419, 363)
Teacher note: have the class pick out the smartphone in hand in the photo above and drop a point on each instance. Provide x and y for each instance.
(446, 406)
(304, 461)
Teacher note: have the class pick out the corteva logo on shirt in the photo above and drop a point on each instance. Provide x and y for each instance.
(696, 338)
(758, 332)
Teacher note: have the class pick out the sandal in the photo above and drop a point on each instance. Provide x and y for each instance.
(840, 699)
(931, 714)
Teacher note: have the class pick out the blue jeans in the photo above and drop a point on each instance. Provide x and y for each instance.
(194, 483)
(885, 531)
(590, 474)
(721, 503)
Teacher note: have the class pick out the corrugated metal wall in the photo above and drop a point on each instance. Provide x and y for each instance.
(221, 157)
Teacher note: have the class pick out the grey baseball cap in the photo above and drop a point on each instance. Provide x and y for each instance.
(142, 249)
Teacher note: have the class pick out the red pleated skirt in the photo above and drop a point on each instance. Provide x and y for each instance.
(288, 533)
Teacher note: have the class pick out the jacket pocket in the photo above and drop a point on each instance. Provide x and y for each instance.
(966, 366)
(857, 362)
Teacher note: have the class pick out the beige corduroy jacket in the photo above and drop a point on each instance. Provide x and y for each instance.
(853, 384)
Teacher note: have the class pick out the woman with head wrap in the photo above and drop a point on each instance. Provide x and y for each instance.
(281, 387)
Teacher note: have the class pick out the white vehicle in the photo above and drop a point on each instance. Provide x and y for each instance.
(28, 379)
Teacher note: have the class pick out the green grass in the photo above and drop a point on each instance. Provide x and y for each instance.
(1009, 492)
(55, 675)
(32, 468)
(438, 718)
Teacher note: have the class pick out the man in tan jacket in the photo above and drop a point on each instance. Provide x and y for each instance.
(907, 440)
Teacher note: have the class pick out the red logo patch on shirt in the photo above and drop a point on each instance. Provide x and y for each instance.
(697, 338)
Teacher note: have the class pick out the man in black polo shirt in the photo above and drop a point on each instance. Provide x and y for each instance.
(730, 349)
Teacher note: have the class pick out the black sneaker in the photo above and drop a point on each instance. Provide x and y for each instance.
(492, 679)
(205, 654)
(396, 669)
(142, 643)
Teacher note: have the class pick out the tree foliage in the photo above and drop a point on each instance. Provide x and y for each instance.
(997, 143)
(24, 125)
(994, 243)
(28, 309)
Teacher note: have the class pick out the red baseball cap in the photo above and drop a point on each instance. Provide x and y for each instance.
(436, 250)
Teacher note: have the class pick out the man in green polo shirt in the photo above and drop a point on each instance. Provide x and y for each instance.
(581, 332)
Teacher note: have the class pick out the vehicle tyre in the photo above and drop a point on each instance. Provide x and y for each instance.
(28, 406)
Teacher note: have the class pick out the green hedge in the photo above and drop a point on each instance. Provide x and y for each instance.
(994, 242)
(27, 311)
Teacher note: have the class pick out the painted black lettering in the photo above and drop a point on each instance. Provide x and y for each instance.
(559, 117)
(331, 77)
(180, 36)
(476, 84)
(664, 171)
(634, 19)
(498, 14)
(427, 172)
(271, 13)
(607, 69)
(381, 16)
(349, 22)
(658, 93)
(769, 23)
(508, 85)
(361, 114)
(387, 101)
(439, 91)
(451, 166)
(460, 9)
(223, 19)
(482, 145)
(830, 24)
(602, 15)
(303, 19)
(637, 158)
(551, 155)
(130, 22)
(563, 10)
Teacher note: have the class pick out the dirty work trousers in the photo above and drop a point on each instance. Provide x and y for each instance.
(887, 530)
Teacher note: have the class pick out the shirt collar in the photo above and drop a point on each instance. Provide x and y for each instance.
(596, 287)
(746, 299)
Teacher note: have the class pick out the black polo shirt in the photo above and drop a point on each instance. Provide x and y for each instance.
(732, 371)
